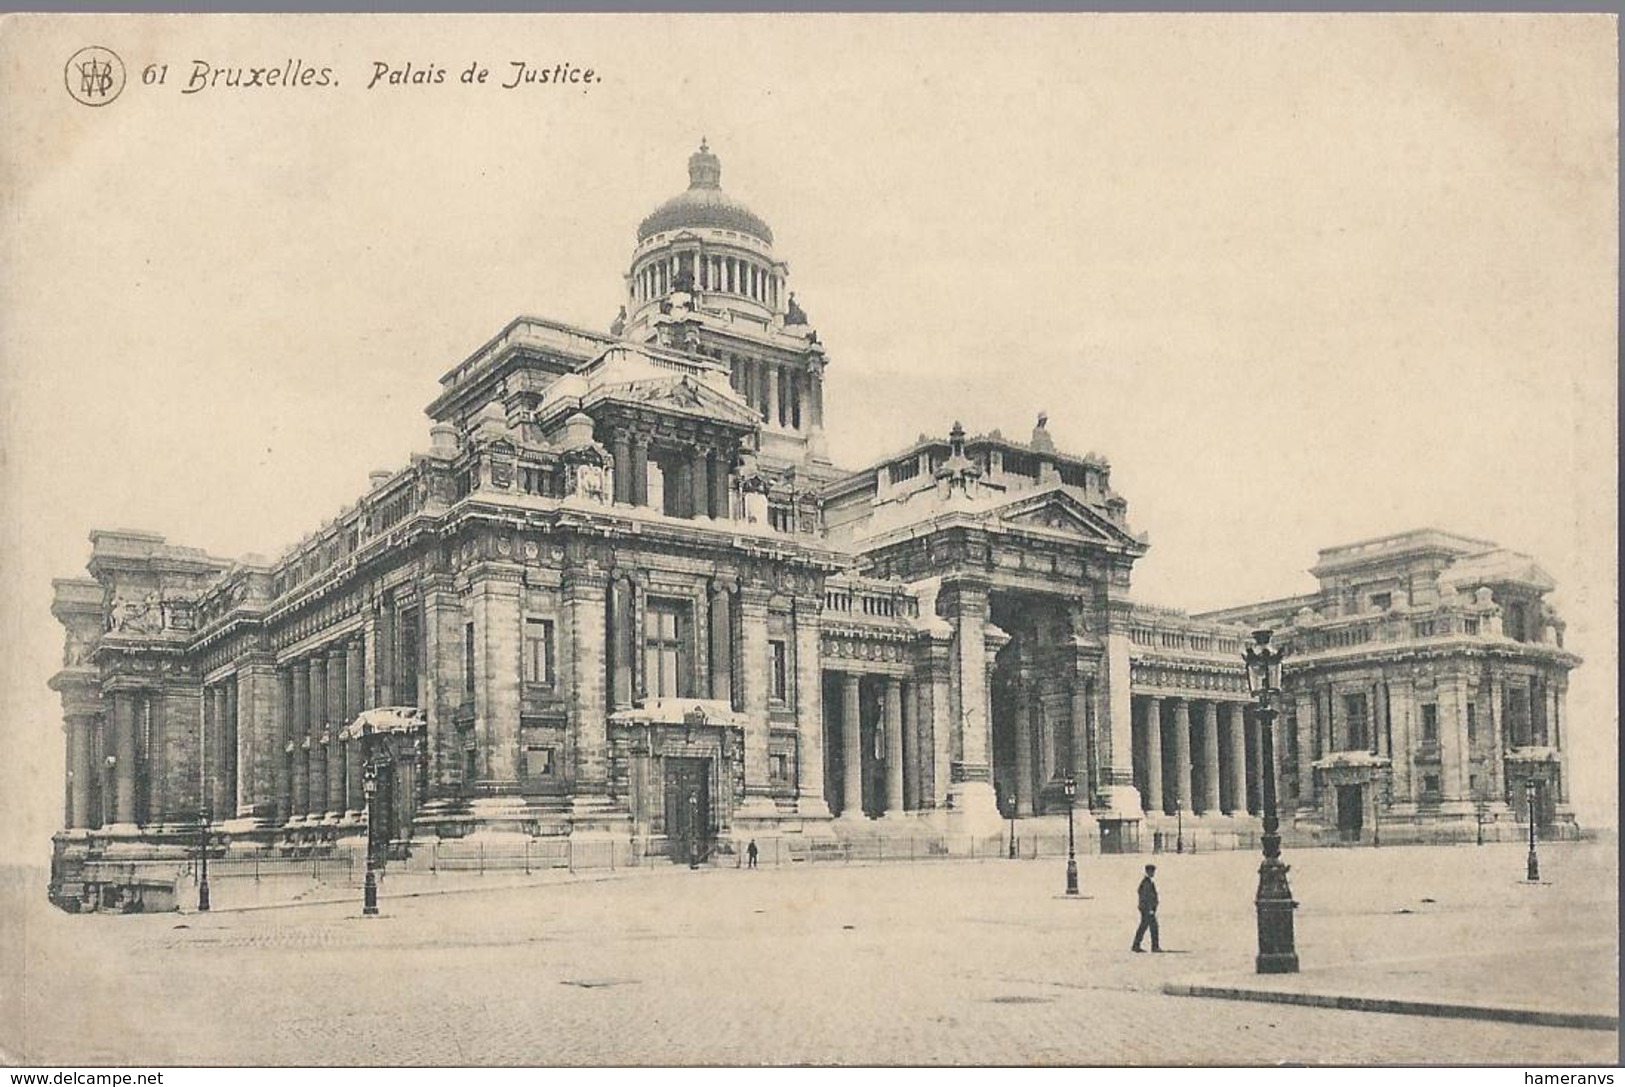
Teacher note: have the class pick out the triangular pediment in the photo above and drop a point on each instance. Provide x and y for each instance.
(1056, 513)
(682, 394)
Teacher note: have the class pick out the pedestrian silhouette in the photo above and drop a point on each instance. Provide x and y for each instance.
(1148, 911)
(750, 854)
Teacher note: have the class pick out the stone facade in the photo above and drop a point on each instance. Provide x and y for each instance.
(626, 592)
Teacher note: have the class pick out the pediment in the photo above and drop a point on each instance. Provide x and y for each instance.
(683, 395)
(1056, 513)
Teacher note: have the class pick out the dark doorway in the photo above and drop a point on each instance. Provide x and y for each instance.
(1350, 812)
(688, 808)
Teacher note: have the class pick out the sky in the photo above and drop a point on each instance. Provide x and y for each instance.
(1303, 280)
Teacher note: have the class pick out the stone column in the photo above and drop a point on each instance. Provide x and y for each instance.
(851, 748)
(894, 745)
(1182, 755)
(771, 415)
(1153, 754)
(810, 798)
(721, 644)
(816, 376)
(1207, 714)
(936, 719)
(639, 483)
(160, 753)
(282, 767)
(124, 750)
(1022, 801)
(80, 731)
(1497, 783)
(494, 595)
(301, 739)
(1238, 758)
(1254, 761)
(965, 605)
(621, 452)
(584, 596)
(1305, 720)
(1116, 740)
(698, 495)
(1085, 761)
(354, 679)
(623, 644)
(208, 746)
(318, 734)
(231, 784)
(337, 687)
(721, 492)
(754, 678)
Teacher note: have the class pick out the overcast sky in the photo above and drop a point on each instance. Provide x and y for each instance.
(1302, 279)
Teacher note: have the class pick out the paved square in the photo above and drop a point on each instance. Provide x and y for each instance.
(932, 963)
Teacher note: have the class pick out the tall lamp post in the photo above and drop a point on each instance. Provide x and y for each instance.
(1071, 851)
(1277, 952)
(203, 860)
(693, 830)
(1533, 872)
(369, 789)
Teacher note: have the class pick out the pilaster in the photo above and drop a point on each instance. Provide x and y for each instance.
(810, 797)
(585, 592)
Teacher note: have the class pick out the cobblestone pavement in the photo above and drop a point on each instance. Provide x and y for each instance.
(934, 963)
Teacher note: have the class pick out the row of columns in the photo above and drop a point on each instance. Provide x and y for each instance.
(697, 480)
(711, 272)
(783, 395)
(320, 778)
(895, 725)
(1214, 756)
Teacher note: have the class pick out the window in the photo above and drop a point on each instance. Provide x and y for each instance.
(468, 659)
(666, 634)
(1430, 723)
(1430, 785)
(905, 469)
(1382, 601)
(534, 480)
(538, 653)
(779, 518)
(1472, 723)
(778, 671)
(538, 762)
(1359, 736)
(779, 767)
(406, 666)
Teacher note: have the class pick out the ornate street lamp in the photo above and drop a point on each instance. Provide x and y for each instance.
(369, 888)
(1533, 872)
(1277, 953)
(693, 830)
(1071, 853)
(203, 860)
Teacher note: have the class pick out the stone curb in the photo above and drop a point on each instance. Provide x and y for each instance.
(429, 892)
(1395, 1006)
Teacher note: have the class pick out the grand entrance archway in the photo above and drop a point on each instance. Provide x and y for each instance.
(1033, 685)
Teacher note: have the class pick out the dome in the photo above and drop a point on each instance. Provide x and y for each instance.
(704, 204)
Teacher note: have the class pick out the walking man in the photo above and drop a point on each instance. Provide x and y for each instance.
(1148, 911)
(750, 854)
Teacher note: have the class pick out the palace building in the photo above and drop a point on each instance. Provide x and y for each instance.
(626, 593)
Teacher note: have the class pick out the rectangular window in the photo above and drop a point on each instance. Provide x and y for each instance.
(538, 658)
(779, 767)
(538, 762)
(778, 671)
(1472, 723)
(468, 659)
(779, 518)
(1430, 785)
(667, 633)
(1354, 713)
(1430, 723)
(406, 661)
(1382, 601)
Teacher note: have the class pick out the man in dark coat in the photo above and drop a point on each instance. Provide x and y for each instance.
(1148, 911)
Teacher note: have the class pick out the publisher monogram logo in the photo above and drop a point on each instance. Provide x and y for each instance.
(94, 75)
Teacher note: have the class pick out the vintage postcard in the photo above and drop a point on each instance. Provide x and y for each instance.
(808, 539)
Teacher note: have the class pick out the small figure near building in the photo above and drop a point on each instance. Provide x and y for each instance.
(1148, 911)
(750, 854)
